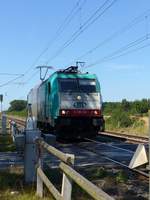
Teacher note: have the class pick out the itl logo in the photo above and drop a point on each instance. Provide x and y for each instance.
(79, 104)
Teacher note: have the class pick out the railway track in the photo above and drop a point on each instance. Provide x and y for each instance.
(123, 159)
(121, 136)
(127, 137)
(17, 120)
(110, 152)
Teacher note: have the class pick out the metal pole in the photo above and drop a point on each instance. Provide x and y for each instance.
(4, 123)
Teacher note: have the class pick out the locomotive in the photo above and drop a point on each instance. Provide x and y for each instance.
(68, 103)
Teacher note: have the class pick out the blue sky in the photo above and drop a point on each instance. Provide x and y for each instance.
(28, 26)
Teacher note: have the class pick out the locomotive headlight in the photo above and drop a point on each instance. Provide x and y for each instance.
(63, 112)
(95, 112)
(78, 97)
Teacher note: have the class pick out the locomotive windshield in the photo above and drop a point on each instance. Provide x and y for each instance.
(68, 85)
(87, 85)
(77, 85)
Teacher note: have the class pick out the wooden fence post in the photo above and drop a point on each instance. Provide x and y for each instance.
(66, 187)
(66, 190)
(39, 187)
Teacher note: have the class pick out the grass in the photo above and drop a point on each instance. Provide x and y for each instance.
(6, 143)
(121, 177)
(21, 114)
(12, 187)
(139, 127)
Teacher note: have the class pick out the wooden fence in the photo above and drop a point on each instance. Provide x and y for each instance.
(69, 175)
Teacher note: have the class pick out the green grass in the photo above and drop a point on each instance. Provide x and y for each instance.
(13, 182)
(121, 177)
(12, 187)
(6, 143)
(139, 127)
(21, 114)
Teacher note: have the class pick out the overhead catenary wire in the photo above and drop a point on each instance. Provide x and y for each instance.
(31, 77)
(76, 8)
(11, 81)
(114, 35)
(9, 74)
(59, 31)
(128, 52)
(94, 17)
(123, 50)
(69, 18)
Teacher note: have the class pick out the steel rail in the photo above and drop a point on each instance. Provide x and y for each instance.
(129, 137)
(18, 121)
(115, 161)
(97, 142)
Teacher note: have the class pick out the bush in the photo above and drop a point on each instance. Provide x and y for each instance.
(133, 107)
(121, 119)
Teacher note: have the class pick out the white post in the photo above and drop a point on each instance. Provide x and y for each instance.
(13, 130)
(39, 188)
(66, 189)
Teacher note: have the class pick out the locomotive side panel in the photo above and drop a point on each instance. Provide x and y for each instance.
(51, 100)
(41, 103)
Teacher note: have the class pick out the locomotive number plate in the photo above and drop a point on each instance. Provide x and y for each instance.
(79, 104)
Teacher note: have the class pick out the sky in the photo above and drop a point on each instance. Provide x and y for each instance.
(113, 36)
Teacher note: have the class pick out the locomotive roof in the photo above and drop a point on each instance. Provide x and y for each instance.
(72, 72)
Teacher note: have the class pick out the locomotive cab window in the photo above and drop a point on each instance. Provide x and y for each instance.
(87, 85)
(77, 85)
(49, 87)
(68, 85)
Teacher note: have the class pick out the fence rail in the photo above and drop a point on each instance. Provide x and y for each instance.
(32, 141)
(67, 158)
(69, 175)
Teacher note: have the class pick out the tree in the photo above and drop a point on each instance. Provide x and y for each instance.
(125, 105)
(141, 106)
(17, 105)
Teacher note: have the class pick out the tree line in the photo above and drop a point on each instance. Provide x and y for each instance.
(132, 107)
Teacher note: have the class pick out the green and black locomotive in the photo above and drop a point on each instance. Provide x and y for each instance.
(68, 103)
